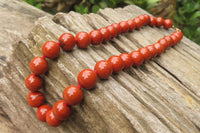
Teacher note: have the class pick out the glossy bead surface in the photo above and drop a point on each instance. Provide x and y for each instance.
(83, 39)
(159, 21)
(35, 99)
(126, 58)
(138, 23)
(164, 42)
(106, 34)
(179, 34)
(147, 18)
(87, 78)
(42, 112)
(131, 24)
(145, 53)
(167, 23)
(38, 65)
(33, 82)
(51, 49)
(72, 95)
(112, 30)
(152, 21)
(104, 69)
(137, 58)
(96, 37)
(51, 119)
(169, 39)
(159, 48)
(153, 50)
(175, 39)
(117, 27)
(143, 19)
(124, 26)
(117, 63)
(67, 41)
(61, 110)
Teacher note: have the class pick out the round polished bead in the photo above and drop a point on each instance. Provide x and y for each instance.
(83, 39)
(103, 69)
(145, 53)
(51, 119)
(143, 19)
(117, 63)
(51, 49)
(153, 50)
(96, 37)
(179, 34)
(61, 110)
(138, 23)
(137, 58)
(35, 99)
(159, 48)
(42, 112)
(169, 39)
(87, 78)
(167, 23)
(164, 42)
(124, 26)
(67, 41)
(112, 30)
(152, 21)
(131, 25)
(117, 27)
(126, 58)
(33, 82)
(72, 95)
(38, 65)
(147, 18)
(175, 39)
(105, 33)
(159, 21)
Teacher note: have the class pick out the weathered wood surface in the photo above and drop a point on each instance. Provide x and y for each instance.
(162, 95)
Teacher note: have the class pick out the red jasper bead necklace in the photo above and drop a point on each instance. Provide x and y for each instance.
(87, 78)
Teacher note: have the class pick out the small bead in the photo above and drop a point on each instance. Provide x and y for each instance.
(38, 65)
(159, 21)
(51, 49)
(117, 63)
(179, 34)
(51, 119)
(104, 69)
(137, 58)
(175, 39)
(72, 95)
(96, 37)
(87, 78)
(169, 39)
(145, 53)
(138, 23)
(33, 82)
(117, 27)
(67, 41)
(143, 19)
(152, 21)
(112, 30)
(61, 110)
(147, 18)
(35, 99)
(131, 25)
(167, 23)
(105, 33)
(126, 58)
(83, 39)
(164, 42)
(153, 50)
(159, 47)
(124, 26)
(42, 112)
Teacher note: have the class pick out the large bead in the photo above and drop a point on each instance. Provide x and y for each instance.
(35, 99)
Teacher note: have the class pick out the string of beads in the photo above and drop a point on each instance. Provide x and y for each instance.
(87, 78)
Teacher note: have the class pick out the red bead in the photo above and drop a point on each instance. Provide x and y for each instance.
(164, 42)
(61, 110)
(87, 78)
(42, 112)
(138, 23)
(124, 26)
(131, 25)
(35, 99)
(143, 19)
(117, 27)
(137, 58)
(83, 39)
(104, 69)
(72, 95)
(67, 41)
(175, 39)
(117, 63)
(167, 23)
(159, 21)
(153, 50)
(145, 53)
(159, 47)
(112, 30)
(96, 37)
(126, 58)
(147, 18)
(38, 65)
(152, 21)
(51, 49)
(51, 119)
(179, 34)
(33, 82)
(169, 39)
(106, 34)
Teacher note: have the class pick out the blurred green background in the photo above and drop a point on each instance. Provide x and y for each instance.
(184, 13)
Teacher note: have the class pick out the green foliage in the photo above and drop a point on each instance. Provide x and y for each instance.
(36, 3)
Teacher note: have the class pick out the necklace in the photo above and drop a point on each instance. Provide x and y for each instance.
(87, 78)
